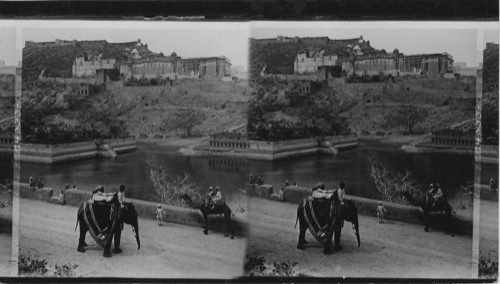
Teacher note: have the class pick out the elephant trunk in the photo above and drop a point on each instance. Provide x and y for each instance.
(355, 226)
(136, 233)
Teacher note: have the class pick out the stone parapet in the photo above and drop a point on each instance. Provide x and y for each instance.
(145, 209)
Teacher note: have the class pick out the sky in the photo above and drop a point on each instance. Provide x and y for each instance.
(8, 51)
(463, 40)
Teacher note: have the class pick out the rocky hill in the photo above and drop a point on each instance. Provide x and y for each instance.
(57, 60)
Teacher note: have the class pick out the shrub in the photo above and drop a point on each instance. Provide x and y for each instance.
(65, 270)
(258, 266)
(32, 267)
(488, 268)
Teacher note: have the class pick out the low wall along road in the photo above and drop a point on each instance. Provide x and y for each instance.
(366, 206)
(145, 209)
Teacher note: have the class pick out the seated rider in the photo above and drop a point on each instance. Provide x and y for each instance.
(430, 194)
(209, 200)
(438, 195)
(217, 198)
(341, 192)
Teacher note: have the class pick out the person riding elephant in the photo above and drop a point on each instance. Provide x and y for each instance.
(92, 216)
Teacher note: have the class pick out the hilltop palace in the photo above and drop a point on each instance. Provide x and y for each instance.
(346, 57)
(135, 60)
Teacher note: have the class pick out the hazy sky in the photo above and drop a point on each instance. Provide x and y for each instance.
(8, 46)
(463, 40)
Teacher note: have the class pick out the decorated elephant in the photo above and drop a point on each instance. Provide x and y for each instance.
(104, 221)
(324, 219)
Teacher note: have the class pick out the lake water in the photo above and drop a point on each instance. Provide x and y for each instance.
(130, 169)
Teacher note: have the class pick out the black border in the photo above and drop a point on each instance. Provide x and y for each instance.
(248, 10)
(366, 10)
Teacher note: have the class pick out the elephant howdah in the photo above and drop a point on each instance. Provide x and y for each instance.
(100, 229)
(105, 222)
(317, 229)
(324, 219)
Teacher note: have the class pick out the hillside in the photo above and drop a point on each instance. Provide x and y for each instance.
(153, 110)
(148, 111)
(58, 60)
(370, 107)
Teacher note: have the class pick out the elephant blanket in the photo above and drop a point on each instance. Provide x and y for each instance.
(100, 228)
(318, 228)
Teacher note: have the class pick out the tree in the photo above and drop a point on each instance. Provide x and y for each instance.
(169, 187)
(187, 119)
(392, 185)
(407, 117)
(489, 122)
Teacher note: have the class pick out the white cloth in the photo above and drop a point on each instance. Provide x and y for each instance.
(218, 196)
(121, 197)
(341, 194)
(320, 193)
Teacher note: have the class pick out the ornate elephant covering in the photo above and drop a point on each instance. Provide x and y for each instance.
(318, 228)
(93, 215)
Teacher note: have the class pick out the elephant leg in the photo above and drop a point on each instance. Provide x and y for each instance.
(107, 249)
(117, 238)
(206, 224)
(327, 250)
(81, 240)
(338, 232)
(302, 234)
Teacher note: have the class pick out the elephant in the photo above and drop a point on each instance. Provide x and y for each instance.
(127, 215)
(329, 213)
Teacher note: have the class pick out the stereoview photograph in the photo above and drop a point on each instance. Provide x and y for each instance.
(113, 115)
(366, 144)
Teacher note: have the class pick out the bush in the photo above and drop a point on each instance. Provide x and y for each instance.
(32, 267)
(65, 270)
(488, 268)
(258, 266)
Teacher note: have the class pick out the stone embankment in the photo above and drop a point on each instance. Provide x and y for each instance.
(145, 209)
(366, 206)
(48, 154)
(273, 150)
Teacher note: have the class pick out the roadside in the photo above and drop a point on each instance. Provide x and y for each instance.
(169, 251)
(392, 249)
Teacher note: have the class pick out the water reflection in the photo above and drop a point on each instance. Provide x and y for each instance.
(451, 170)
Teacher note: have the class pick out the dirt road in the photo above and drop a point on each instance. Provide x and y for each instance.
(391, 249)
(170, 251)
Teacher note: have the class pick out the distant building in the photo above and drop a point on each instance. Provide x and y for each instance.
(355, 60)
(490, 68)
(88, 68)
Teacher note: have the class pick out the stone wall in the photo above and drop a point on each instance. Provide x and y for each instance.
(145, 209)
(40, 153)
(397, 212)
